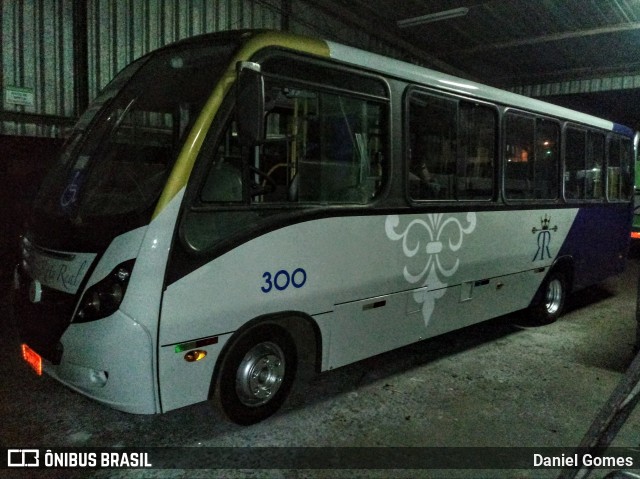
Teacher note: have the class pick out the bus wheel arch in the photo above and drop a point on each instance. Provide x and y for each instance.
(257, 367)
(551, 297)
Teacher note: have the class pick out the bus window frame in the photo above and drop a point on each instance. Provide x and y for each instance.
(609, 136)
(586, 130)
(295, 211)
(503, 157)
(409, 90)
(384, 102)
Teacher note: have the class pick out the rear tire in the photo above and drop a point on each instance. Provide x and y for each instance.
(554, 293)
(256, 375)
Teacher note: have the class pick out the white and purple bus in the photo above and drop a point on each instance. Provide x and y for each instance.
(236, 208)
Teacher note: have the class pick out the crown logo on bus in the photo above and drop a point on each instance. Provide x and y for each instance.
(545, 221)
(544, 238)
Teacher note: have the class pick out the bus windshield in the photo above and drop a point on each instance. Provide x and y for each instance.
(114, 166)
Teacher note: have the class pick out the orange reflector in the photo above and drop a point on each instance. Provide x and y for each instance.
(32, 358)
(195, 355)
(635, 234)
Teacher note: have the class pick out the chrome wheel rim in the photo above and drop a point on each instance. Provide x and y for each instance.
(260, 374)
(554, 296)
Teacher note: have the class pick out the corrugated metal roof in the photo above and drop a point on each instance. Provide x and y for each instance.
(512, 42)
(547, 47)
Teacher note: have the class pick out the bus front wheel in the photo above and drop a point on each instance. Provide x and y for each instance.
(554, 293)
(256, 374)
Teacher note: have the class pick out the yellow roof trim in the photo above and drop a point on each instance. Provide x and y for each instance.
(187, 157)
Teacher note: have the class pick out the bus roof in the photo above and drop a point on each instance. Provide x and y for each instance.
(255, 40)
(442, 81)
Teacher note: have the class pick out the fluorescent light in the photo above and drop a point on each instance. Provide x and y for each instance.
(433, 17)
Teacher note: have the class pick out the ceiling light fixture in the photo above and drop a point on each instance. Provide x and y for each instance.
(433, 17)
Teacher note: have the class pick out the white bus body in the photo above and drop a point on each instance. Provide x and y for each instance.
(227, 296)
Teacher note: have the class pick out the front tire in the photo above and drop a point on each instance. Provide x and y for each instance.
(256, 375)
(554, 293)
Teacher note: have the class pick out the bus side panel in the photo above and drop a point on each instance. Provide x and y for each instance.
(598, 242)
(364, 328)
(458, 269)
(308, 267)
(475, 301)
(370, 326)
(372, 283)
(184, 382)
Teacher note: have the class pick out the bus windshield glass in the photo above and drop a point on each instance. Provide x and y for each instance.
(114, 166)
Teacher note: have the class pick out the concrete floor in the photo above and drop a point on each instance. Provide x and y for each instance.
(494, 384)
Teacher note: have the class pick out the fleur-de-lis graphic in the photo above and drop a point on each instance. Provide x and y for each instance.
(438, 234)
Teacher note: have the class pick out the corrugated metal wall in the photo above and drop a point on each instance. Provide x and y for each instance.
(572, 87)
(122, 30)
(37, 48)
(36, 58)
(37, 52)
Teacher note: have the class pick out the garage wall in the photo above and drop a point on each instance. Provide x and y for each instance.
(37, 54)
(37, 46)
(36, 58)
(121, 31)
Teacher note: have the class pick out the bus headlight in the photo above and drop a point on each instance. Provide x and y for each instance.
(104, 298)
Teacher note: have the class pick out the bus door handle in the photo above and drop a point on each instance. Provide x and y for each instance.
(375, 304)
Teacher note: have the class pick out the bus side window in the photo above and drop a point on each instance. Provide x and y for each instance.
(432, 147)
(477, 133)
(452, 147)
(221, 191)
(321, 147)
(594, 185)
(547, 159)
(519, 176)
(619, 169)
(574, 163)
(532, 157)
(223, 182)
(584, 159)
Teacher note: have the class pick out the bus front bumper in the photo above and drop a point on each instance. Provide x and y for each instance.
(111, 361)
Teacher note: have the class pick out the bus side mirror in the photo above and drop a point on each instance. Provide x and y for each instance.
(250, 103)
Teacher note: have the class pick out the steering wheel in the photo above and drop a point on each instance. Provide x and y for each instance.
(268, 185)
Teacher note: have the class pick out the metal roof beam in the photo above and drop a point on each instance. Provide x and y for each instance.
(572, 87)
(384, 33)
(568, 75)
(621, 27)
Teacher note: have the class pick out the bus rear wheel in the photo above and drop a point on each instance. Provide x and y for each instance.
(256, 375)
(554, 294)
